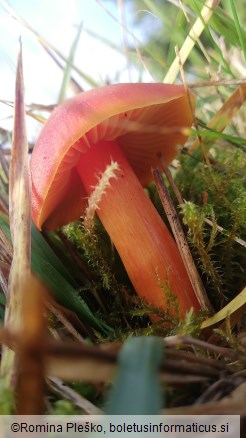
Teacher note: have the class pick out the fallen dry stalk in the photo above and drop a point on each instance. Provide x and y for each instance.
(186, 341)
(74, 360)
(217, 83)
(64, 391)
(181, 241)
(20, 224)
(224, 116)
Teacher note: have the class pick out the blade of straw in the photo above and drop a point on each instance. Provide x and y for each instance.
(223, 117)
(19, 206)
(191, 39)
(233, 306)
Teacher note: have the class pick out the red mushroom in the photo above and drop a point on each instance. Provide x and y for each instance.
(132, 125)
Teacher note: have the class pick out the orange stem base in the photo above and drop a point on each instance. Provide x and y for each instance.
(146, 248)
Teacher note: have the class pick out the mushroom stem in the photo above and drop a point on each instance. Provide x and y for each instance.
(146, 248)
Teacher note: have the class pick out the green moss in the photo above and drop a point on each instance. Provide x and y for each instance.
(7, 401)
(64, 407)
(216, 192)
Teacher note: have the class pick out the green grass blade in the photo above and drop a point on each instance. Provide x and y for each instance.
(212, 41)
(46, 265)
(137, 390)
(2, 305)
(223, 24)
(68, 68)
(210, 135)
(49, 48)
(238, 27)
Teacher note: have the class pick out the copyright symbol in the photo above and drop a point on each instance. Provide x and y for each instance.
(15, 427)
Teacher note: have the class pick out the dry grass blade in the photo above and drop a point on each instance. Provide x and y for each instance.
(225, 115)
(30, 384)
(8, 247)
(221, 230)
(181, 241)
(190, 41)
(49, 48)
(56, 310)
(19, 206)
(217, 83)
(233, 306)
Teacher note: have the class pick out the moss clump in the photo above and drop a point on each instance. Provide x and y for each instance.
(214, 213)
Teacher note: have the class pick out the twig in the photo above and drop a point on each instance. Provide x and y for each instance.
(219, 389)
(190, 357)
(222, 351)
(31, 360)
(65, 391)
(74, 360)
(171, 182)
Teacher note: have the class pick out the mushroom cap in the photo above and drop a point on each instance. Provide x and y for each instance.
(145, 119)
